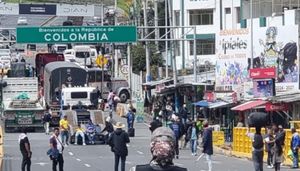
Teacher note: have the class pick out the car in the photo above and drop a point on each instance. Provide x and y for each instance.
(22, 21)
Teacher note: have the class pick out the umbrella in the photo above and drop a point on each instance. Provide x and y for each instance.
(202, 103)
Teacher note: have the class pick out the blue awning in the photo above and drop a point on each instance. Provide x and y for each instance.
(215, 104)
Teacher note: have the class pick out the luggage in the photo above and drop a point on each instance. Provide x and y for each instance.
(258, 119)
(131, 132)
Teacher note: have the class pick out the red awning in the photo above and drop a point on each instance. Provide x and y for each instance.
(249, 105)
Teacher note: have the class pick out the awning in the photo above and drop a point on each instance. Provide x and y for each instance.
(211, 105)
(249, 105)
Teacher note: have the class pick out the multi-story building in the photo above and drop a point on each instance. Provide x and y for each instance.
(209, 17)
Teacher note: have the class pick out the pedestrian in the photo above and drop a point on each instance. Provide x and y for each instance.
(269, 141)
(110, 100)
(193, 133)
(22, 59)
(47, 119)
(130, 118)
(57, 145)
(184, 114)
(118, 143)
(257, 148)
(178, 129)
(278, 147)
(79, 132)
(108, 128)
(25, 150)
(294, 147)
(207, 143)
(156, 123)
(64, 128)
(162, 150)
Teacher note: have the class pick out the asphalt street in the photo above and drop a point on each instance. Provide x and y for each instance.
(100, 158)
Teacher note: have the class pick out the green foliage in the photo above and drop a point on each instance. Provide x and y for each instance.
(138, 54)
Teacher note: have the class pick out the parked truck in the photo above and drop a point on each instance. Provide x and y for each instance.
(22, 106)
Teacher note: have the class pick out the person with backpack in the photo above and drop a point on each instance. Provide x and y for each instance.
(130, 118)
(162, 150)
(110, 100)
(192, 134)
(269, 141)
(46, 120)
(57, 149)
(257, 148)
(117, 141)
(278, 146)
(294, 147)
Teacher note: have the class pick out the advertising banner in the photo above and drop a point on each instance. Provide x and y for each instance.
(75, 10)
(277, 47)
(40, 9)
(232, 55)
(277, 107)
(9, 9)
(263, 88)
(261, 73)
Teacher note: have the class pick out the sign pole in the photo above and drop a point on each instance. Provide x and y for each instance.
(102, 77)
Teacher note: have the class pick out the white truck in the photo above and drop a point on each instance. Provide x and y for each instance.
(22, 106)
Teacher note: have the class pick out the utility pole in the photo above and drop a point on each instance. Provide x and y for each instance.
(156, 23)
(129, 62)
(148, 74)
(166, 42)
(116, 67)
(251, 20)
(182, 33)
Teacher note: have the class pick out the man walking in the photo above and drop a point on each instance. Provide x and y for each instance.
(117, 142)
(25, 150)
(294, 147)
(46, 120)
(257, 148)
(56, 145)
(64, 128)
(207, 143)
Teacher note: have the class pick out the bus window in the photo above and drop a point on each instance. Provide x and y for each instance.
(78, 95)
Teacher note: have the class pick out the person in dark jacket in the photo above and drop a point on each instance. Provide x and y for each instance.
(207, 143)
(25, 150)
(294, 147)
(178, 130)
(257, 148)
(156, 123)
(117, 142)
(109, 128)
(46, 120)
(162, 150)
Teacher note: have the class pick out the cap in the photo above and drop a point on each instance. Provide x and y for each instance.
(163, 132)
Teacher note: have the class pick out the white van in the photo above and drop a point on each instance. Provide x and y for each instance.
(80, 54)
(72, 96)
(59, 48)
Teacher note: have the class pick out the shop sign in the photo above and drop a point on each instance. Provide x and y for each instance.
(40, 9)
(262, 73)
(277, 107)
(209, 96)
(9, 9)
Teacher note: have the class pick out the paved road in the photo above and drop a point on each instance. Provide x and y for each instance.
(100, 158)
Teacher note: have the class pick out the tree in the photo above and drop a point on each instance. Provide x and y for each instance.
(138, 55)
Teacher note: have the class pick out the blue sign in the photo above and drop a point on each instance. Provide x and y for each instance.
(40, 9)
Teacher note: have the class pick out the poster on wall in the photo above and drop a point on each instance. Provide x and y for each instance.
(263, 88)
(277, 47)
(232, 54)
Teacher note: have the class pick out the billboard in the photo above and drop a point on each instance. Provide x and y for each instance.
(273, 47)
(232, 54)
(263, 88)
(278, 47)
(40, 9)
(9, 9)
(75, 10)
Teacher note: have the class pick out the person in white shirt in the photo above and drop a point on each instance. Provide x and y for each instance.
(57, 151)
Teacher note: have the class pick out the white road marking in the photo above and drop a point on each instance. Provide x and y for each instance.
(178, 164)
(71, 154)
(87, 165)
(148, 125)
(41, 164)
(78, 160)
(141, 153)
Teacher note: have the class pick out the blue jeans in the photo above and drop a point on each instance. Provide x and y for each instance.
(193, 146)
(295, 158)
(63, 135)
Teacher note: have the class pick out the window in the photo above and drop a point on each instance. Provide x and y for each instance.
(203, 47)
(177, 18)
(78, 95)
(238, 14)
(227, 10)
(82, 54)
(201, 17)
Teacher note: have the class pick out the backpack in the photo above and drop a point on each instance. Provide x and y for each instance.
(258, 142)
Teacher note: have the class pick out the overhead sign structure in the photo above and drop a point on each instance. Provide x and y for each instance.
(40, 9)
(75, 10)
(90, 34)
(9, 9)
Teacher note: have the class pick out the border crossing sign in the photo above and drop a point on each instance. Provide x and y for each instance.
(72, 34)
